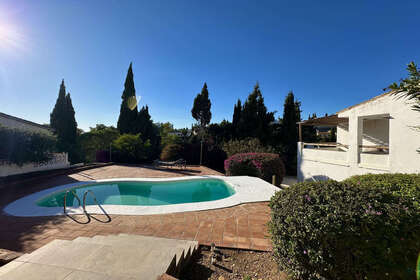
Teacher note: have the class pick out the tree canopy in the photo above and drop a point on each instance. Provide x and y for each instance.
(410, 86)
(201, 108)
(255, 120)
(64, 125)
(128, 111)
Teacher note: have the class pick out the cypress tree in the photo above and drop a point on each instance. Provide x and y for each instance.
(201, 107)
(237, 109)
(148, 130)
(290, 115)
(201, 112)
(255, 119)
(249, 115)
(63, 122)
(128, 111)
(58, 114)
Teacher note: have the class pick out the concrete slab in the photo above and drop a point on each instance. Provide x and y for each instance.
(35, 271)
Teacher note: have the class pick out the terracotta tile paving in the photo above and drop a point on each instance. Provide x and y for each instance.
(243, 226)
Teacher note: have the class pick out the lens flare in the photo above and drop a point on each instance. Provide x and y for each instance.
(132, 102)
(11, 40)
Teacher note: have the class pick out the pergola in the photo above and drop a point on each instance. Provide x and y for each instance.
(332, 120)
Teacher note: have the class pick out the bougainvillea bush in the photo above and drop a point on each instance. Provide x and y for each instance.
(336, 230)
(263, 165)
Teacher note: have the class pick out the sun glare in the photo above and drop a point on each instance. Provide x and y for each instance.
(10, 38)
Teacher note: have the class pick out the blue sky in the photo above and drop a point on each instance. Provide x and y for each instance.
(332, 54)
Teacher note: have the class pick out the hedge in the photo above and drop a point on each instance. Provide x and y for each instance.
(407, 185)
(20, 147)
(263, 165)
(336, 230)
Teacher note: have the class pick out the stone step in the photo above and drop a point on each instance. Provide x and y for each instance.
(103, 257)
(180, 248)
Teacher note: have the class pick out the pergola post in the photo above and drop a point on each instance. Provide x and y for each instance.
(300, 132)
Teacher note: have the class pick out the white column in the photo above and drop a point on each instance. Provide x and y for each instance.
(355, 139)
(299, 162)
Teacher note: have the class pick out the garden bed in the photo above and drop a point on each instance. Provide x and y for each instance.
(233, 264)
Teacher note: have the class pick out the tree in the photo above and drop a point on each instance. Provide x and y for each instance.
(130, 148)
(255, 121)
(409, 87)
(237, 109)
(99, 138)
(128, 111)
(202, 114)
(167, 134)
(201, 108)
(289, 148)
(64, 125)
(148, 130)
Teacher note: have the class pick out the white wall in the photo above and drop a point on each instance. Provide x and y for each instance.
(59, 160)
(404, 140)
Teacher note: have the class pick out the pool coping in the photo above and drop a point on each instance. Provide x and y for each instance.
(247, 189)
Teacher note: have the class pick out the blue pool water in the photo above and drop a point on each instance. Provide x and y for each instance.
(144, 193)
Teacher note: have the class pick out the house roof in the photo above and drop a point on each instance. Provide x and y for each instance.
(366, 101)
(23, 121)
(332, 120)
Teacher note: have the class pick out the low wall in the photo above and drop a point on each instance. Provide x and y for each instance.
(59, 160)
(319, 165)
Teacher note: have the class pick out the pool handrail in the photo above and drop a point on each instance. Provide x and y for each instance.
(65, 199)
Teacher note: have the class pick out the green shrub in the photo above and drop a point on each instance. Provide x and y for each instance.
(171, 152)
(406, 185)
(250, 145)
(333, 230)
(263, 165)
(20, 147)
(129, 148)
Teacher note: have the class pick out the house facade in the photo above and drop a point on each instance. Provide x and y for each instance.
(376, 136)
(58, 161)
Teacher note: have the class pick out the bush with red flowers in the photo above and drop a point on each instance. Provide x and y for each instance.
(262, 165)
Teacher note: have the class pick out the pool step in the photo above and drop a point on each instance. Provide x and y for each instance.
(103, 257)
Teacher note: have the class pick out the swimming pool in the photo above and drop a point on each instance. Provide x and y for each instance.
(145, 196)
(143, 193)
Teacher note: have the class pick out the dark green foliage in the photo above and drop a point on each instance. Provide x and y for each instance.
(99, 138)
(218, 133)
(237, 111)
(167, 136)
(291, 113)
(255, 120)
(263, 165)
(410, 87)
(128, 113)
(249, 145)
(201, 108)
(20, 147)
(333, 230)
(129, 148)
(402, 185)
(148, 130)
(63, 123)
(171, 152)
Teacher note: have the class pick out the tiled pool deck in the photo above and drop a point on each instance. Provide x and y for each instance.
(243, 226)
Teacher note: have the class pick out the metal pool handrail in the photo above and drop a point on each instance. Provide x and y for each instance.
(65, 199)
(84, 199)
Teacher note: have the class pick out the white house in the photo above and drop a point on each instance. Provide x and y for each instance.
(375, 136)
(59, 160)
